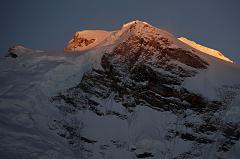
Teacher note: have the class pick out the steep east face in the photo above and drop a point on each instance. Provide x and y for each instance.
(145, 61)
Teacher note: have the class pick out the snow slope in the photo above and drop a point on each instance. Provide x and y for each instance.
(205, 49)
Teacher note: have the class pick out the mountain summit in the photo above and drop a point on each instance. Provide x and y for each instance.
(138, 92)
(91, 39)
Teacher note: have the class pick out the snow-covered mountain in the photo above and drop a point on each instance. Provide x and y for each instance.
(138, 92)
(17, 50)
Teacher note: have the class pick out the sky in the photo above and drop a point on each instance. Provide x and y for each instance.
(50, 24)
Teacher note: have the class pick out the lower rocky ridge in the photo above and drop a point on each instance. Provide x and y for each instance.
(133, 79)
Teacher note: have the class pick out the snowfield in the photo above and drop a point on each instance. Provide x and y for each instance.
(38, 119)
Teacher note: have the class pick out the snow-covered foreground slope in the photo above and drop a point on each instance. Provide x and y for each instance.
(27, 83)
(139, 93)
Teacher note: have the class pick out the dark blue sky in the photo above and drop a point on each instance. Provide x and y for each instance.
(49, 24)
